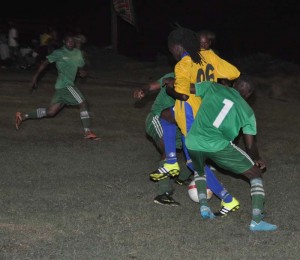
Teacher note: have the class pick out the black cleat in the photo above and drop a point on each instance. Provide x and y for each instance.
(165, 199)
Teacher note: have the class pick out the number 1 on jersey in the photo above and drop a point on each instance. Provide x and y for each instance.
(221, 116)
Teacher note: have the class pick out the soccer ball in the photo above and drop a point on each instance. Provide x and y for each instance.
(192, 190)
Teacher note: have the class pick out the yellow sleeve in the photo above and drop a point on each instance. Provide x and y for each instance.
(183, 75)
(224, 69)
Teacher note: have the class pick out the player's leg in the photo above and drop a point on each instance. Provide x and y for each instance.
(198, 159)
(164, 188)
(55, 106)
(171, 167)
(228, 202)
(73, 96)
(234, 159)
(164, 193)
(186, 174)
(154, 130)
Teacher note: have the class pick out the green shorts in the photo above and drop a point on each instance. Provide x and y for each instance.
(68, 96)
(231, 158)
(155, 131)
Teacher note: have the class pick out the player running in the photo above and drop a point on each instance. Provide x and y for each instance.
(69, 61)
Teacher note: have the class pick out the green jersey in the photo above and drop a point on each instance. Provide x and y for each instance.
(67, 64)
(221, 116)
(163, 100)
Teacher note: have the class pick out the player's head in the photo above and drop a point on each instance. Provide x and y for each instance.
(206, 38)
(69, 41)
(183, 40)
(245, 85)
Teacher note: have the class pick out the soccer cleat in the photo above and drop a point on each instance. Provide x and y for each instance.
(90, 135)
(169, 170)
(182, 182)
(262, 226)
(165, 199)
(234, 205)
(19, 119)
(206, 213)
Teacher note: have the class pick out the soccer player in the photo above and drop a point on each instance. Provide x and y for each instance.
(223, 113)
(162, 128)
(194, 64)
(155, 130)
(69, 61)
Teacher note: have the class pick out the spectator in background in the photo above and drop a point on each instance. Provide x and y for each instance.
(48, 43)
(13, 41)
(4, 50)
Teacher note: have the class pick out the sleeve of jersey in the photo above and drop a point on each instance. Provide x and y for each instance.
(182, 75)
(168, 75)
(53, 57)
(250, 127)
(225, 70)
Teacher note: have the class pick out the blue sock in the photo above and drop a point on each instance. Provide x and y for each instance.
(216, 187)
(186, 154)
(169, 138)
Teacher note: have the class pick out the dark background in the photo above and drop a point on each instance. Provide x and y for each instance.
(242, 27)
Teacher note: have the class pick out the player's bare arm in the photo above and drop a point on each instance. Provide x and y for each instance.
(140, 93)
(33, 83)
(169, 82)
(82, 73)
(192, 88)
(252, 151)
(176, 95)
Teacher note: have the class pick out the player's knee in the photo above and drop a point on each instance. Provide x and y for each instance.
(167, 115)
(253, 172)
(83, 105)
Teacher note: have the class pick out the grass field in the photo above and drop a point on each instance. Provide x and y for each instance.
(64, 197)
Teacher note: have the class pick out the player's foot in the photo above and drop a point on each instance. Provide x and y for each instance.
(262, 226)
(165, 199)
(182, 182)
(90, 135)
(206, 213)
(169, 170)
(18, 119)
(234, 205)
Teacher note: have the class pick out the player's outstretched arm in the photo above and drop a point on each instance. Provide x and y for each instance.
(152, 87)
(33, 83)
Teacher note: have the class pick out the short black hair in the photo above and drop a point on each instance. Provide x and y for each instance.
(244, 84)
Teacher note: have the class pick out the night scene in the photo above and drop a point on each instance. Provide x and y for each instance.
(149, 129)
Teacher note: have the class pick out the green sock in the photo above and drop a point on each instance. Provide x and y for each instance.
(200, 181)
(164, 186)
(258, 197)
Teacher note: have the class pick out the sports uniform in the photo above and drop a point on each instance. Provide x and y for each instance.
(68, 60)
(223, 113)
(67, 64)
(162, 102)
(211, 68)
(187, 72)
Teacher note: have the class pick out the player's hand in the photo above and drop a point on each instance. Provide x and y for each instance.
(33, 86)
(82, 73)
(138, 94)
(261, 165)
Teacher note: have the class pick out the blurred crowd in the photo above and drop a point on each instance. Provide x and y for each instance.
(17, 53)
